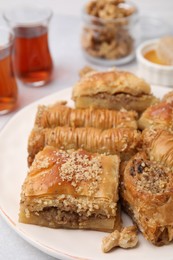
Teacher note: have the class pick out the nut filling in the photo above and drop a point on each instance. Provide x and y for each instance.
(149, 176)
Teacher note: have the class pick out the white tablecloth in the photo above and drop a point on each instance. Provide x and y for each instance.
(68, 60)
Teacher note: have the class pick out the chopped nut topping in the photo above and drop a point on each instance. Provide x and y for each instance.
(82, 167)
(149, 176)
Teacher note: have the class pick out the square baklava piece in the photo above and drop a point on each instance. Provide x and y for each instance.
(113, 90)
(71, 189)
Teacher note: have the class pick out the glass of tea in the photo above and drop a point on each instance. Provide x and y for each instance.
(8, 86)
(31, 56)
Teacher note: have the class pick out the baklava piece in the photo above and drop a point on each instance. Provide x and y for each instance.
(112, 90)
(168, 98)
(61, 115)
(147, 195)
(158, 115)
(159, 145)
(122, 141)
(71, 189)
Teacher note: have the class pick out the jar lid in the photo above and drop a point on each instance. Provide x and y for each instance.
(152, 26)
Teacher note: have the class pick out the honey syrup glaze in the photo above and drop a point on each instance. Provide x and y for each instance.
(151, 55)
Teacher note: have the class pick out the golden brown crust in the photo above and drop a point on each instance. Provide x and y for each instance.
(158, 115)
(159, 145)
(75, 186)
(111, 82)
(122, 141)
(58, 162)
(168, 98)
(62, 115)
(147, 194)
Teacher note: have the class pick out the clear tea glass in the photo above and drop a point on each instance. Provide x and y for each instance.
(31, 56)
(8, 86)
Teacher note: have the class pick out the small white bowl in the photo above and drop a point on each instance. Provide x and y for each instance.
(153, 73)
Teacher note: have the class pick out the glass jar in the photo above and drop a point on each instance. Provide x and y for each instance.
(110, 42)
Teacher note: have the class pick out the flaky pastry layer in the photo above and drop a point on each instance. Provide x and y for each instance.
(159, 145)
(111, 82)
(147, 195)
(123, 141)
(158, 115)
(62, 115)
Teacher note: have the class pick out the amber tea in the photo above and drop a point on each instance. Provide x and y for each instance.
(31, 57)
(8, 86)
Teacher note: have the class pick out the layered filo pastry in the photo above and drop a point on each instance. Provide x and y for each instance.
(147, 195)
(112, 90)
(158, 143)
(158, 115)
(122, 141)
(60, 114)
(71, 189)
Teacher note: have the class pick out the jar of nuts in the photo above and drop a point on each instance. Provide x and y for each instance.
(110, 31)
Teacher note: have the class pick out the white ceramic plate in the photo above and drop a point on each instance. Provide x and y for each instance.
(63, 244)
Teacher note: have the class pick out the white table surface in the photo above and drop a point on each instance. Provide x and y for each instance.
(65, 48)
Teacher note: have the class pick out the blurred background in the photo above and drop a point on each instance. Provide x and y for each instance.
(73, 7)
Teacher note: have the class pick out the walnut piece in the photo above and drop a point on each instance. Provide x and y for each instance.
(107, 43)
(108, 9)
(126, 238)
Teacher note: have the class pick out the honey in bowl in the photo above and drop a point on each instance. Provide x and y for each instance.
(162, 53)
(152, 56)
